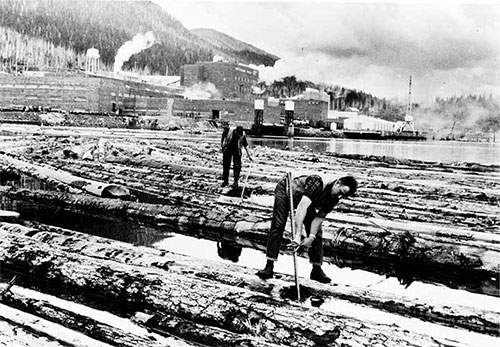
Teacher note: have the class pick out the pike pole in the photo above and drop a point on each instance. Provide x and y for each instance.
(292, 219)
(246, 181)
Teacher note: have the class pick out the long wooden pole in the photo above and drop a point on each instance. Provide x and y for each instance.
(246, 181)
(292, 222)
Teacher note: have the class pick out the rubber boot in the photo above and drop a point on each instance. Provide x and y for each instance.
(236, 179)
(317, 274)
(267, 272)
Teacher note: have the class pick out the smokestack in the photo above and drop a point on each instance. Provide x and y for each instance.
(139, 43)
(259, 116)
(289, 113)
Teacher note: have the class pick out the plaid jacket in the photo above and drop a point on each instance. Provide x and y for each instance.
(313, 187)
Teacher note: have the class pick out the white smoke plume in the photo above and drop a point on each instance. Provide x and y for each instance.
(202, 91)
(139, 43)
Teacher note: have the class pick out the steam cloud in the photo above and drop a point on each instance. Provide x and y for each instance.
(139, 43)
(202, 91)
(449, 49)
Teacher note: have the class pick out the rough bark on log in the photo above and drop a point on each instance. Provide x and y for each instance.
(171, 325)
(203, 172)
(80, 323)
(445, 251)
(439, 188)
(398, 206)
(199, 300)
(451, 314)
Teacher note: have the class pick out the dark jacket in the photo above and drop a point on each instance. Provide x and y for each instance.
(227, 137)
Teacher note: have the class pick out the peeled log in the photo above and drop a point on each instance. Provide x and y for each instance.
(444, 250)
(438, 311)
(8, 215)
(46, 172)
(129, 288)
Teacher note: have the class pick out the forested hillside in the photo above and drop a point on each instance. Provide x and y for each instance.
(35, 32)
(290, 86)
(461, 117)
(22, 52)
(229, 46)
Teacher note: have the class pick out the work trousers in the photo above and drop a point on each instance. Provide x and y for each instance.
(281, 211)
(227, 157)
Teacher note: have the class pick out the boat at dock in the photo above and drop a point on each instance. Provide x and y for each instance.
(385, 135)
(371, 128)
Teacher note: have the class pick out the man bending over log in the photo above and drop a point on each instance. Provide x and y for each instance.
(314, 196)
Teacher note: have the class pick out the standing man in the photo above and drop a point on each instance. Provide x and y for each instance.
(232, 142)
(314, 196)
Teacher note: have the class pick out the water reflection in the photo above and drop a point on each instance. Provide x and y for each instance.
(208, 243)
(16, 180)
(487, 153)
(229, 250)
(103, 225)
(406, 273)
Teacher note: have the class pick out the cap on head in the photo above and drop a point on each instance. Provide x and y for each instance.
(239, 130)
(350, 182)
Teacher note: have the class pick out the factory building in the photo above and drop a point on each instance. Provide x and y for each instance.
(365, 123)
(314, 112)
(233, 81)
(85, 93)
(310, 108)
(130, 94)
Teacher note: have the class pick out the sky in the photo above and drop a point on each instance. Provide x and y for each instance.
(449, 48)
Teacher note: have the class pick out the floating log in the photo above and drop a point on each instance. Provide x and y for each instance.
(6, 216)
(79, 323)
(456, 194)
(474, 198)
(433, 247)
(34, 331)
(45, 172)
(171, 325)
(447, 313)
(443, 204)
(201, 300)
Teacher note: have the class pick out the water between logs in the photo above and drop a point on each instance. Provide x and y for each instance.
(484, 153)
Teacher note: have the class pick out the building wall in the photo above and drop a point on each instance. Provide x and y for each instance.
(49, 91)
(97, 94)
(232, 111)
(315, 111)
(360, 122)
(232, 80)
(83, 93)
